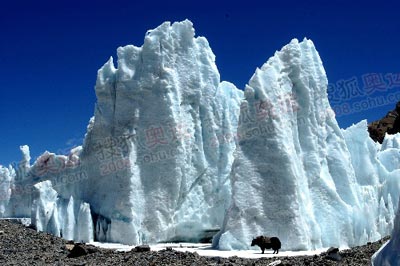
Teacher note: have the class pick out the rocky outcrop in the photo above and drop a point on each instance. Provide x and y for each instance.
(389, 124)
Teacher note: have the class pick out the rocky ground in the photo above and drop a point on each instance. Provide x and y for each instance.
(20, 245)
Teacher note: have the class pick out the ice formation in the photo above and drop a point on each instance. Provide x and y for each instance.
(388, 254)
(67, 218)
(293, 175)
(154, 141)
(173, 154)
(156, 159)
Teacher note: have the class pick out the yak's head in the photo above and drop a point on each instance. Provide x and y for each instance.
(257, 241)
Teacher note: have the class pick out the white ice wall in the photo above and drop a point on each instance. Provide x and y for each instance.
(7, 176)
(68, 218)
(167, 156)
(167, 112)
(388, 254)
(293, 176)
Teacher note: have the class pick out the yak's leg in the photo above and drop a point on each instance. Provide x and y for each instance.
(262, 250)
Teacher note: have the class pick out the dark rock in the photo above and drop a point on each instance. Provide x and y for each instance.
(31, 226)
(216, 259)
(333, 254)
(78, 250)
(389, 124)
(142, 248)
(332, 250)
(91, 249)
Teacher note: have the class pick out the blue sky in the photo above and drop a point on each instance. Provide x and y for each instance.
(50, 52)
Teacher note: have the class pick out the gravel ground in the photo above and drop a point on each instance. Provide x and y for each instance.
(20, 245)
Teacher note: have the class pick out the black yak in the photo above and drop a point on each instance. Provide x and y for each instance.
(265, 242)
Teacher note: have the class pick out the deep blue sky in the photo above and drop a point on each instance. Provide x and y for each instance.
(50, 52)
